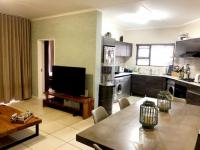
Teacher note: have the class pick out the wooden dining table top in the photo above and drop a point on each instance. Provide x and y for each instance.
(176, 130)
(7, 127)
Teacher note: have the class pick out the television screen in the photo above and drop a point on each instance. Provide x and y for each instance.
(69, 80)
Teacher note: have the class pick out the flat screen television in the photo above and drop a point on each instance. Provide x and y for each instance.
(69, 80)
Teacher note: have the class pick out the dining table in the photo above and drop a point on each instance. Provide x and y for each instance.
(176, 130)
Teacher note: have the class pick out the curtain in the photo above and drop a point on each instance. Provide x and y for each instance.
(15, 59)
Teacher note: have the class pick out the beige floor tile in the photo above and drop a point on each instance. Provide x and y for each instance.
(69, 120)
(67, 147)
(18, 105)
(46, 142)
(66, 134)
(80, 145)
(53, 115)
(51, 127)
(35, 101)
(82, 125)
(43, 111)
(90, 119)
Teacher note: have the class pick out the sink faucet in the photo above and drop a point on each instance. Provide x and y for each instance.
(187, 71)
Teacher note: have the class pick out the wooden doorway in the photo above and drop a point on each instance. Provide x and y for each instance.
(46, 55)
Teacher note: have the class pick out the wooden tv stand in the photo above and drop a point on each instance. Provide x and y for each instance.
(86, 102)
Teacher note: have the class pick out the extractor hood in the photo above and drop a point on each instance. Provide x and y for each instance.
(188, 48)
(191, 54)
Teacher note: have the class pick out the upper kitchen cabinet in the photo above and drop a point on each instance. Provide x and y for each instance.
(123, 49)
(188, 48)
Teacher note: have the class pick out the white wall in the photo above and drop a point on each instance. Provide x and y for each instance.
(149, 36)
(77, 43)
(163, 35)
(192, 28)
(115, 30)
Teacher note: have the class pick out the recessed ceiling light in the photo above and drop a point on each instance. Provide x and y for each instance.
(143, 16)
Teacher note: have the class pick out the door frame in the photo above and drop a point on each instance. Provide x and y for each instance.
(40, 68)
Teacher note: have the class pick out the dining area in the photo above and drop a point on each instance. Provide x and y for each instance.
(175, 129)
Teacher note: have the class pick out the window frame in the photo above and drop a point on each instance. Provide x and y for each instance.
(150, 45)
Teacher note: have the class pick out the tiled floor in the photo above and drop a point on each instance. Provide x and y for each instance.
(58, 128)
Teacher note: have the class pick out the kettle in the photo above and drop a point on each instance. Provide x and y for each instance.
(197, 78)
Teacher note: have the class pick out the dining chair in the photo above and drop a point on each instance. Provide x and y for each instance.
(123, 103)
(96, 147)
(197, 147)
(99, 114)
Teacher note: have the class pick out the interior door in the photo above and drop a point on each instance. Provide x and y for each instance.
(46, 64)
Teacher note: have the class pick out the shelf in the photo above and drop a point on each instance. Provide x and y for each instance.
(60, 106)
(86, 103)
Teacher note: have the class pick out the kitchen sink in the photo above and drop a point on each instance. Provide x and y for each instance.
(188, 80)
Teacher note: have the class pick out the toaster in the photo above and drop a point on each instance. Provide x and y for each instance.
(197, 78)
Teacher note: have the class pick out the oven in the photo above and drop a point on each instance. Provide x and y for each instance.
(176, 88)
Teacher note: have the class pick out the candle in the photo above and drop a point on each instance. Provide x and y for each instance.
(162, 104)
(148, 119)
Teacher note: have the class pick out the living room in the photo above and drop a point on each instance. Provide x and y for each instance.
(77, 30)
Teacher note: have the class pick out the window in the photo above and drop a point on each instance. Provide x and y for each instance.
(155, 54)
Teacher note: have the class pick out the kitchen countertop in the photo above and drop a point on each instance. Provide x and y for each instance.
(121, 74)
(177, 79)
(166, 76)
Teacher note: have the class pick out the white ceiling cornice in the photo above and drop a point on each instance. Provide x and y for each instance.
(165, 27)
(191, 22)
(64, 14)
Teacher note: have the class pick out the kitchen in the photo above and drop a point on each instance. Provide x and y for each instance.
(148, 79)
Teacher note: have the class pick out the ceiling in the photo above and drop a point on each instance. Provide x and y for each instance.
(179, 11)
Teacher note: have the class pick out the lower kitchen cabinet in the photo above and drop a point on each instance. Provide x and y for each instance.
(193, 98)
(147, 85)
(138, 85)
(193, 95)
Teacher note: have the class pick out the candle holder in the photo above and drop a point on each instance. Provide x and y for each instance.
(148, 114)
(164, 99)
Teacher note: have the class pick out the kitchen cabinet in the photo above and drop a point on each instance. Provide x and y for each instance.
(129, 48)
(180, 49)
(147, 85)
(193, 95)
(123, 49)
(154, 85)
(188, 48)
(138, 85)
